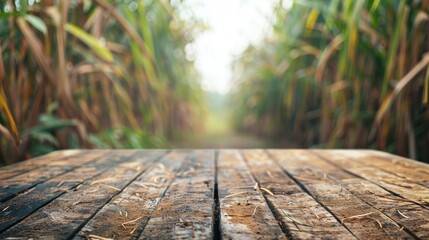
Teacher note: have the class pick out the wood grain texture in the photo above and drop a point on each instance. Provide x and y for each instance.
(298, 212)
(214, 194)
(125, 216)
(403, 185)
(185, 211)
(409, 215)
(65, 215)
(244, 211)
(12, 186)
(360, 218)
(28, 165)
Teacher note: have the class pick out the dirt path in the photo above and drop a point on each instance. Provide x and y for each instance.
(219, 132)
(219, 140)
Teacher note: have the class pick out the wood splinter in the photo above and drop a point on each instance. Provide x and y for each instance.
(399, 212)
(125, 223)
(357, 216)
(95, 237)
(268, 191)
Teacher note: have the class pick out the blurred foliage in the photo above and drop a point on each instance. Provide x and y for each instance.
(94, 73)
(340, 74)
(122, 137)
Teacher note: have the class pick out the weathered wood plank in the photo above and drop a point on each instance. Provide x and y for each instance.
(299, 213)
(396, 160)
(409, 171)
(13, 186)
(125, 216)
(244, 211)
(362, 219)
(31, 164)
(26, 203)
(186, 209)
(413, 217)
(312, 194)
(65, 215)
(403, 186)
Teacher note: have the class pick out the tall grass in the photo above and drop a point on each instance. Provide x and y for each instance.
(93, 74)
(345, 74)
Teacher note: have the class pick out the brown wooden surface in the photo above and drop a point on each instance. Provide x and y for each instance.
(215, 194)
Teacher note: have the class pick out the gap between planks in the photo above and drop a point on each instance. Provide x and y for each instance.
(23, 167)
(299, 214)
(123, 216)
(391, 203)
(245, 214)
(186, 210)
(12, 187)
(31, 224)
(321, 180)
(306, 183)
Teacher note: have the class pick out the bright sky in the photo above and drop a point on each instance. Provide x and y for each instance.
(233, 24)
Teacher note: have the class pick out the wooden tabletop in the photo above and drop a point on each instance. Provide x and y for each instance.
(204, 194)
